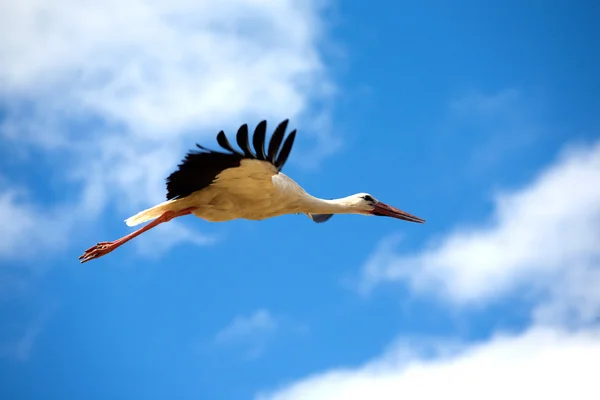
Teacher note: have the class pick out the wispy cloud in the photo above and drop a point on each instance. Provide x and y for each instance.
(477, 105)
(251, 331)
(26, 230)
(493, 125)
(22, 348)
(241, 327)
(119, 92)
(19, 346)
(170, 235)
(545, 236)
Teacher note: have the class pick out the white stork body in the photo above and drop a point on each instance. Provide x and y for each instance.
(220, 187)
(253, 191)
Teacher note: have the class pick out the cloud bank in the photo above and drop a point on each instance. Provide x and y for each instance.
(539, 364)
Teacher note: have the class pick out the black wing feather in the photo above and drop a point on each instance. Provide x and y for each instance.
(285, 150)
(224, 143)
(202, 147)
(276, 140)
(258, 140)
(242, 141)
(200, 167)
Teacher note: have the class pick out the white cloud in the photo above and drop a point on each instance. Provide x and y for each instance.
(540, 363)
(545, 237)
(250, 331)
(122, 90)
(163, 66)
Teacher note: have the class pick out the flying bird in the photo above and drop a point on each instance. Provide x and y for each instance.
(221, 186)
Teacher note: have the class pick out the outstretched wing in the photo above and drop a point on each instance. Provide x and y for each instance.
(200, 167)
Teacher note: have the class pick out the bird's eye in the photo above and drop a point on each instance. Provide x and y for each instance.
(369, 198)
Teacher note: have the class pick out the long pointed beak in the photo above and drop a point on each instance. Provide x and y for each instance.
(382, 209)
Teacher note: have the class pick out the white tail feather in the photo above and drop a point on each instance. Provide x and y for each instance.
(150, 213)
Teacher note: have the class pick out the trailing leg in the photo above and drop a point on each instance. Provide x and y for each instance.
(103, 248)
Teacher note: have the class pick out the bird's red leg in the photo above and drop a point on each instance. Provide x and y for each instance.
(103, 248)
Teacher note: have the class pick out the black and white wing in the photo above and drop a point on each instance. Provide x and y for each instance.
(200, 167)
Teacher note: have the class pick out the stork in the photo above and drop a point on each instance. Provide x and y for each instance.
(221, 186)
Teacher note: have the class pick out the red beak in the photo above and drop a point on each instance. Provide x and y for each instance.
(383, 210)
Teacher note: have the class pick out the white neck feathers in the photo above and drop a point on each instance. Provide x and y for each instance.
(342, 205)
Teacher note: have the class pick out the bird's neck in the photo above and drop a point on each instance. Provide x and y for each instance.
(316, 205)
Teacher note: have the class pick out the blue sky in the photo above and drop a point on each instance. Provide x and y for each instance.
(482, 119)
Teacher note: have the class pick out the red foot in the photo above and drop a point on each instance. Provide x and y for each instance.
(99, 250)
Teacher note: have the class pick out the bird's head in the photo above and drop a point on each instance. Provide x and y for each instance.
(364, 203)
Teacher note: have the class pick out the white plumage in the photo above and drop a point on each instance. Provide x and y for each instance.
(218, 187)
